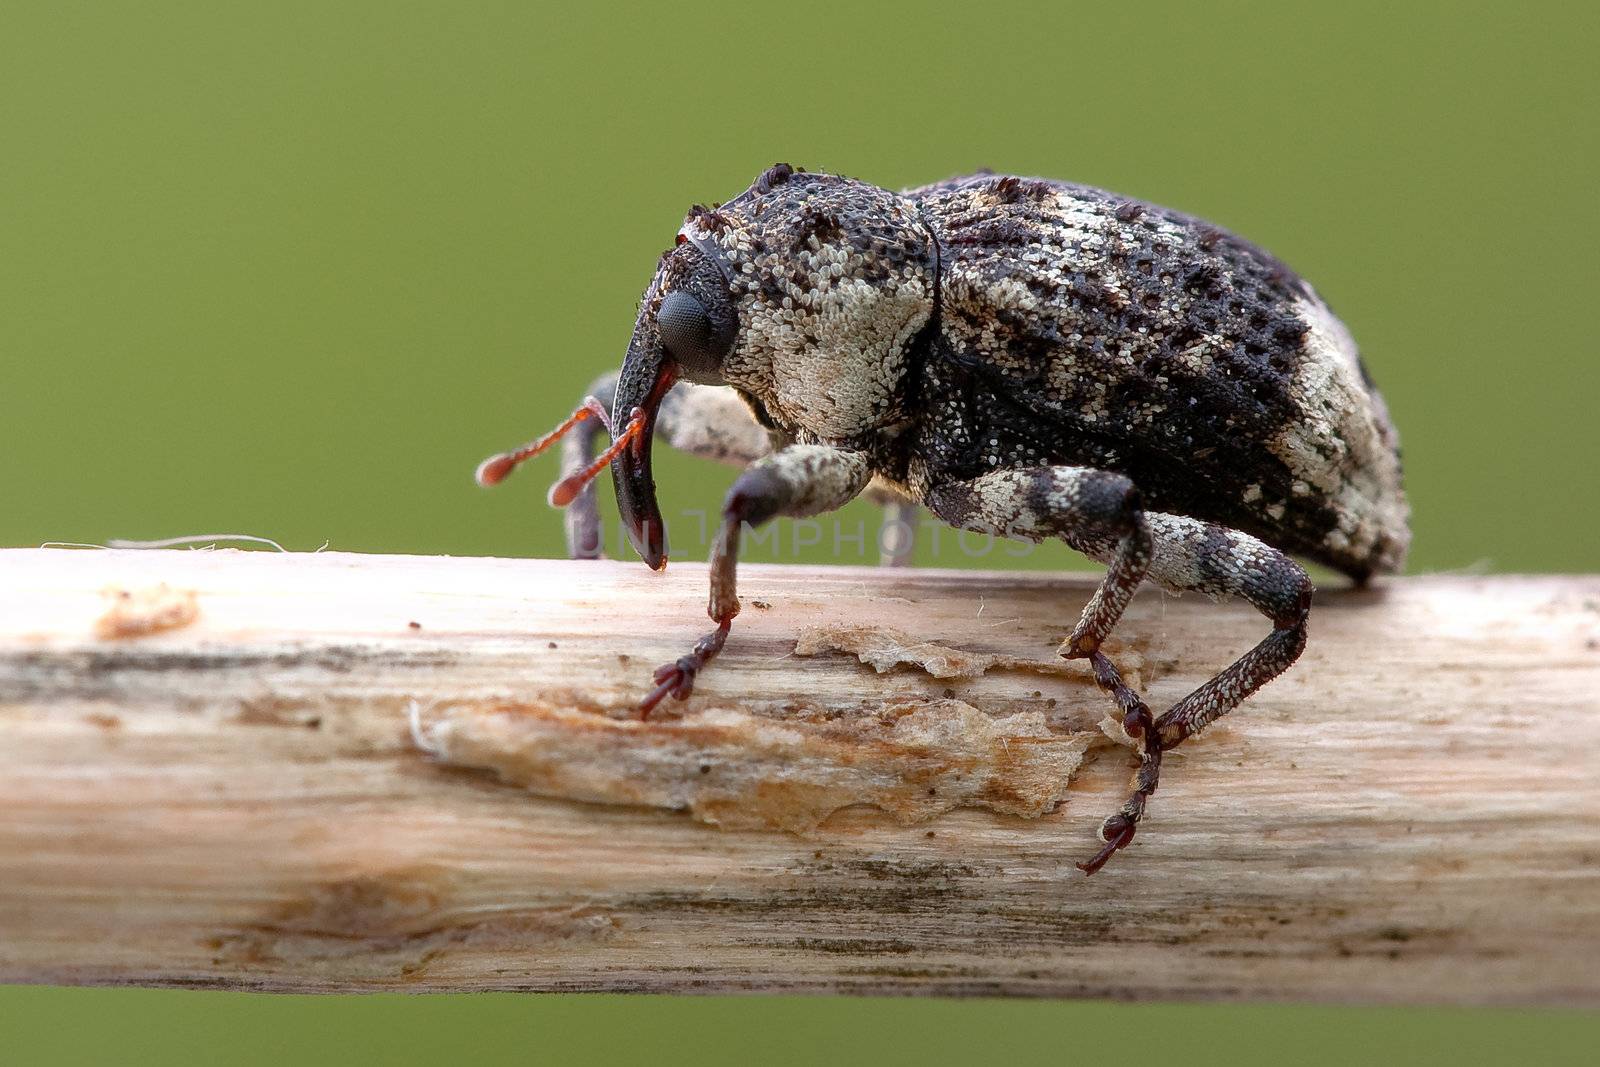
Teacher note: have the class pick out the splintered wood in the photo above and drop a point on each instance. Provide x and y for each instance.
(735, 769)
(137, 612)
(336, 772)
(786, 765)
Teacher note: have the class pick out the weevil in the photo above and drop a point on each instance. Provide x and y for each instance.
(1022, 357)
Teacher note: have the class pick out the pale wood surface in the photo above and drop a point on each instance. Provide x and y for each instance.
(226, 789)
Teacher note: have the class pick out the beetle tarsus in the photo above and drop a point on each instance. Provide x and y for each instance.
(1138, 723)
(1118, 831)
(677, 678)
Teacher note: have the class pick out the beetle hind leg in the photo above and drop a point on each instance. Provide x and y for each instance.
(1197, 556)
(1098, 513)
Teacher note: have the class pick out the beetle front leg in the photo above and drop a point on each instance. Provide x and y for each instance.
(796, 482)
(582, 517)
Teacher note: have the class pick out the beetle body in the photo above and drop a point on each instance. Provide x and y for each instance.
(1023, 357)
(997, 322)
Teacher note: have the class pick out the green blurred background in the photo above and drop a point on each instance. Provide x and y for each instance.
(291, 269)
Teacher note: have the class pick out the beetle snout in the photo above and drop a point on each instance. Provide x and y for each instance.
(647, 376)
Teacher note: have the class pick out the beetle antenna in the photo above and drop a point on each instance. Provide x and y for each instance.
(493, 470)
(568, 488)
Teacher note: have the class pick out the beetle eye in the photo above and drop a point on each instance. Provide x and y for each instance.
(690, 338)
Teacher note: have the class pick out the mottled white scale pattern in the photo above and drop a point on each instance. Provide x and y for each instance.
(1344, 448)
(1079, 241)
(1149, 332)
(824, 330)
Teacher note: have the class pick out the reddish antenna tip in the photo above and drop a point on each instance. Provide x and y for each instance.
(493, 470)
(567, 489)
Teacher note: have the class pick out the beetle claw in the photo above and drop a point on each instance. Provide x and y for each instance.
(1117, 832)
(677, 678)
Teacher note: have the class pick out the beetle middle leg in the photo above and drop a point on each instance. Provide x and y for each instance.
(1098, 513)
(796, 482)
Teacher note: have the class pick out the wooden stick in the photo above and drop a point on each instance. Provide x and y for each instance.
(252, 770)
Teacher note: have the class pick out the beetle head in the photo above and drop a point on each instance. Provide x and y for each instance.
(686, 327)
(804, 292)
(832, 280)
